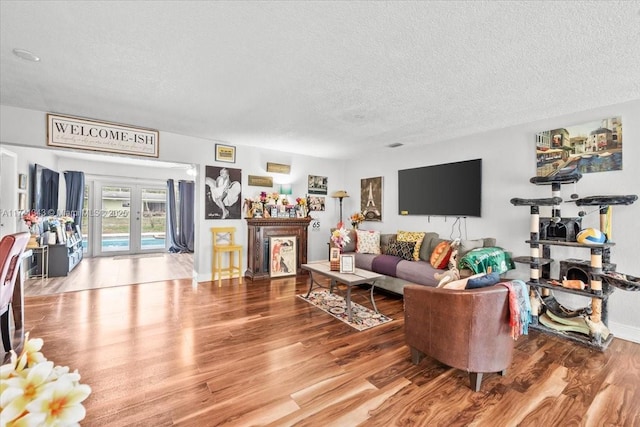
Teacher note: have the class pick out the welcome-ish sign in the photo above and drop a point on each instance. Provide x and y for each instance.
(84, 134)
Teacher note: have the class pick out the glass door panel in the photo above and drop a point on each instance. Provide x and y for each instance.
(154, 218)
(115, 218)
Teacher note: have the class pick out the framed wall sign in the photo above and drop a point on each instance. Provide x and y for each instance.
(278, 168)
(283, 253)
(260, 181)
(86, 134)
(347, 264)
(225, 153)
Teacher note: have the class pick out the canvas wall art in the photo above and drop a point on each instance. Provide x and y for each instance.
(371, 198)
(283, 255)
(223, 193)
(590, 147)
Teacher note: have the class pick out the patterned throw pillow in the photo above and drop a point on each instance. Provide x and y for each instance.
(440, 256)
(412, 236)
(403, 250)
(368, 242)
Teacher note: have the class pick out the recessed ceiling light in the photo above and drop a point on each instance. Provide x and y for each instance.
(26, 55)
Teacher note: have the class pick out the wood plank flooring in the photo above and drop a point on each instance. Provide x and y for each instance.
(173, 354)
(104, 272)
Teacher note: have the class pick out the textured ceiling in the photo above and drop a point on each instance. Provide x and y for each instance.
(327, 79)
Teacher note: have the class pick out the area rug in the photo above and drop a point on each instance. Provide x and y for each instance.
(335, 305)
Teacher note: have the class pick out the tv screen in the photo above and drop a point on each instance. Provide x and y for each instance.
(451, 189)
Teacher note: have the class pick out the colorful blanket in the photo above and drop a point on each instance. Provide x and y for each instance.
(519, 308)
(487, 260)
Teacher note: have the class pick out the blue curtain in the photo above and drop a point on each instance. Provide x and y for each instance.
(75, 195)
(181, 220)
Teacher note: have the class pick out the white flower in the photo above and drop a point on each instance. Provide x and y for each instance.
(22, 389)
(61, 402)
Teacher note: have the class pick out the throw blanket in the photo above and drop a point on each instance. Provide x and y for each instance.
(519, 308)
(487, 260)
(385, 264)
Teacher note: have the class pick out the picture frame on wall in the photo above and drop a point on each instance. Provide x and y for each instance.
(22, 201)
(22, 181)
(316, 203)
(317, 184)
(283, 256)
(225, 153)
(371, 198)
(223, 193)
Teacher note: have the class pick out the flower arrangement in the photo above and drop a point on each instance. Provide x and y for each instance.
(263, 197)
(273, 197)
(34, 392)
(356, 219)
(67, 220)
(340, 237)
(30, 218)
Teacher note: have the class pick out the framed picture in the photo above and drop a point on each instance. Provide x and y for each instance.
(22, 181)
(278, 168)
(347, 264)
(283, 256)
(22, 201)
(86, 134)
(316, 203)
(317, 184)
(223, 193)
(586, 148)
(371, 198)
(334, 254)
(260, 181)
(225, 153)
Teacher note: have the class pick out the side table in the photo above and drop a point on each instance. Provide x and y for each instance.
(41, 254)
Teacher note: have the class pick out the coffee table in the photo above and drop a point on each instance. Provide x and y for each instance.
(359, 277)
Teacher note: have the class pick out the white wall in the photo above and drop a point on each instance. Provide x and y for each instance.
(26, 130)
(508, 164)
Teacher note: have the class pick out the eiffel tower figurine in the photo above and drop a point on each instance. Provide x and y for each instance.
(371, 211)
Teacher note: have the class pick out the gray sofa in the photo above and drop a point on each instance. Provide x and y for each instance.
(411, 272)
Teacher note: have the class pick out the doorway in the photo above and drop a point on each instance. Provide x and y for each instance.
(128, 218)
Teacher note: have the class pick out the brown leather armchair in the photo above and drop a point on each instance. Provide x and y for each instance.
(464, 329)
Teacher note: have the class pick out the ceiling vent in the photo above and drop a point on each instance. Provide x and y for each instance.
(395, 144)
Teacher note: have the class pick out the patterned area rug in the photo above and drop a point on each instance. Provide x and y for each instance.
(362, 317)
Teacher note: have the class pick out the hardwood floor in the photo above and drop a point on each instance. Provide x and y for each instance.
(170, 353)
(104, 272)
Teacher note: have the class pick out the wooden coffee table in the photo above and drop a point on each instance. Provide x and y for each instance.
(359, 277)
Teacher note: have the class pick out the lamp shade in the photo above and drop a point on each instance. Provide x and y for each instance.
(286, 189)
(340, 194)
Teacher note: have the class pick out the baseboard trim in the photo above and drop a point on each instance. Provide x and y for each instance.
(625, 332)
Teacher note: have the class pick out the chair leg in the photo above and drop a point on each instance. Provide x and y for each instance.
(6, 334)
(213, 266)
(240, 267)
(476, 380)
(219, 269)
(416, 356)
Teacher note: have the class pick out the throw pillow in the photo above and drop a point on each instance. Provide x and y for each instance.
(403, 250)
(482, 281)
(460, 283)
(412, 236)
(467, 245)
(440, 256)
(368, 242)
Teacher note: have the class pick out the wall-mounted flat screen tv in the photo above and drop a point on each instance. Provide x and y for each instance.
(451, 189)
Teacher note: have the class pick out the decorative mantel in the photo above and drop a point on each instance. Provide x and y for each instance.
(259, 232)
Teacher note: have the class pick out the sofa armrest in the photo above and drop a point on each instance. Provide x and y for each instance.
(464, 329)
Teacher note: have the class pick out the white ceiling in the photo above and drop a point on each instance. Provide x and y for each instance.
(327, 79)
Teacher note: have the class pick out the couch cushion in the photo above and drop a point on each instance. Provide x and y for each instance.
(385, 264)
(365, 261)
(385, 240)
(412, 236)
(368, 242)
(403, 250)
(483, 280)
(441, 254)
(425, 248)
(420, 272)
(467, 245)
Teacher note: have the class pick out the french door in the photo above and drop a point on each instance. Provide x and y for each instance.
(130, 218)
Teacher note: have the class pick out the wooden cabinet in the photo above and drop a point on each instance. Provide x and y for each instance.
(259, 232)
(64, 257)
